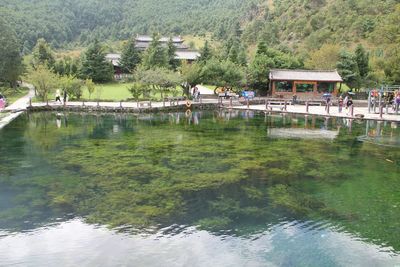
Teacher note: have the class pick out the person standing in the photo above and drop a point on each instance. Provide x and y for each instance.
(345, 101)
(349, 105)
(397, 101)
(340, 104)
(65, 97)
(58, 95)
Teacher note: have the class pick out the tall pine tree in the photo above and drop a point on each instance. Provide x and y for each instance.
(348, 69)
(205, 52)
(130, 57)
(10, 58)
(95, 66)
(42, 54)
(362, 59)
(171, 52)
(155, 55)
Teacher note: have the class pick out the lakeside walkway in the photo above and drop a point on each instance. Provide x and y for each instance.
(23, 103)
(17, 108)
(333, 112)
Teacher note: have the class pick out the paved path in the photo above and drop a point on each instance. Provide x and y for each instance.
(333, 112)
(18, 107)
(204, 90)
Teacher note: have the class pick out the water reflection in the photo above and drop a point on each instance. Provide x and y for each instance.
(75, 243)
(225, 177)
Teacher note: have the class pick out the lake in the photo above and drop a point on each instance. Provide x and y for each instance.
(222, 188)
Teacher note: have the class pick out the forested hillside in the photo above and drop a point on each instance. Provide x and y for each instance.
(297, 24)
(65, 21)
(308, 24)
(360, 38)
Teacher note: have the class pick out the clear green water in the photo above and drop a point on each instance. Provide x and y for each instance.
(212, 189)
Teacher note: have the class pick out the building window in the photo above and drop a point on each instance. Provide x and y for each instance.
(304, 87)
(284, 86)
(326, 87)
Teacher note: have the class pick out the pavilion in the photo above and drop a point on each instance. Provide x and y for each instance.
(303, 83)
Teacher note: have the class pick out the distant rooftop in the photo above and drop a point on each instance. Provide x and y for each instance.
(113, 58)
(305, 75)
(187, 55)
(163, 39)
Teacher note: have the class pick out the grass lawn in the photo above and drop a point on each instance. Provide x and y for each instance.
(14, 94)
(116, 92)
(109, 92)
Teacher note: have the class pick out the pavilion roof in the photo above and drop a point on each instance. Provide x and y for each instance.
(305, 75)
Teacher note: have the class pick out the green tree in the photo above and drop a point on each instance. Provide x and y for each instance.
(348, 69)
(90, 86)
(266, 59)
(262, 48)
(362, 59)
(324, 58)
(10, 58)
(259, 72)
(130, 57)
(42, 54)
(72, 85)
(155, 56)
(136, 90)
(160, 80)
(95, 66)
(205, 52)
(223, 73)
(171, 50)
(44, 80)
(191, 76)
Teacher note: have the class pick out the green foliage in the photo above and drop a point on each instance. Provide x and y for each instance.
(67, 66)
(348, 69)
(205, 52)
(172, 61)
(362, 59)
(130, 57)
(324, 58)
(160, 80)
(10, 59)
(95, 66)
(136, 90)
(223, 73)
(62, 23)
(72, 86)
(191, 75)
(155, 56)
(265, 60)
(43, 79)
(90, 87)
(42, 54)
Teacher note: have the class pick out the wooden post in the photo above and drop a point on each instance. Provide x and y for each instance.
(369, 102)
(150, 103)
(230, 102)
(381, 111)
(248, 104)
(352, 110)
(30, 102)
(327, 108)
(266, 104)
(285, 106)
(307, 110)
(83, 103)
(120, 104)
